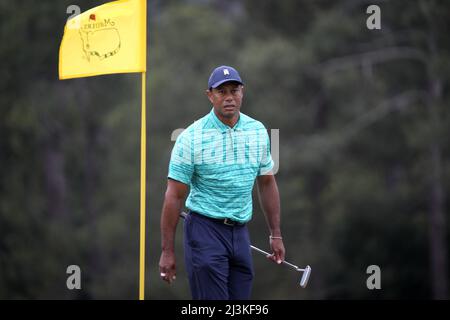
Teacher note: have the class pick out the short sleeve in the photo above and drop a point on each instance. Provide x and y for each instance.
(266, 164)
(181, 166)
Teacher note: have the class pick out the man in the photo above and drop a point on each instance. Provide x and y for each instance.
(219, 157)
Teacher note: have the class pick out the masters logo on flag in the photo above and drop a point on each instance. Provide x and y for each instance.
(110, 38)
(92, 34)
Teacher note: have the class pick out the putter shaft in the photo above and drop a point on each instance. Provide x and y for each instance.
(306, 271)
(293, 266)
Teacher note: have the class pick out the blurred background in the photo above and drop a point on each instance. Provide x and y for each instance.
(364, 132)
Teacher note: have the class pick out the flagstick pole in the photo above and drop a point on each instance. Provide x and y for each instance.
(143, 182)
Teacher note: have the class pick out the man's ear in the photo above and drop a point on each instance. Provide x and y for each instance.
(209, 95)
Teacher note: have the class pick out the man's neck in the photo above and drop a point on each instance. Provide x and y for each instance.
(231, 122)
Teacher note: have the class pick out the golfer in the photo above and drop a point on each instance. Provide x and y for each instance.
(217, 160)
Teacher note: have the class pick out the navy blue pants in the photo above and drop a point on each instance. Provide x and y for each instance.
(218, 259)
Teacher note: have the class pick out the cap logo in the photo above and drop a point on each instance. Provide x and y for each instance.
(226, 72)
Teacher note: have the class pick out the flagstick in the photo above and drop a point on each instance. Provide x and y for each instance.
(142, 206)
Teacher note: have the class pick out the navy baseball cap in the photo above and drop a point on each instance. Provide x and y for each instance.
(223, 74)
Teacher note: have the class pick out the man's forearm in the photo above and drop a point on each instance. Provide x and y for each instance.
(169, 220)
(270, 202)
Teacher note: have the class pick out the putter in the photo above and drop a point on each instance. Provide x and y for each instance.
(306, 271)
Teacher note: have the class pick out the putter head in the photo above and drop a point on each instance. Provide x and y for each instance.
(305, 277)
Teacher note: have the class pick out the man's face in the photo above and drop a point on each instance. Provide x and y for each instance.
(227, 99)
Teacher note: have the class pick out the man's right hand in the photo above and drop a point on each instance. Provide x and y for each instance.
(167, 266)
(175, 194)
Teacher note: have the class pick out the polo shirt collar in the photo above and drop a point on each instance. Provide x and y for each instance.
(222, 126)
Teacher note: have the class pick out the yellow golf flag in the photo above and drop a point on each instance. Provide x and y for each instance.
(110, 38)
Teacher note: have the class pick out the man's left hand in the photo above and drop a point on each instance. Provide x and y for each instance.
(278, 250)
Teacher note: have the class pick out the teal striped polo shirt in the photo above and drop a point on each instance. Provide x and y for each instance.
(220, 164)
